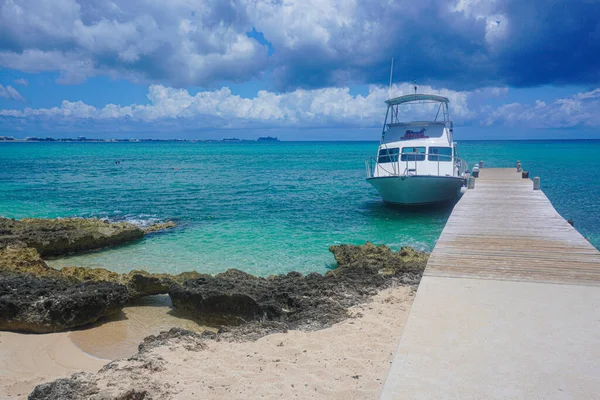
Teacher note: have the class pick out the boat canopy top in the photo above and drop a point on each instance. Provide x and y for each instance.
(416, 97)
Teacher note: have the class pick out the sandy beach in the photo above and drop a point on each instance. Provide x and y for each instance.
(350, 360)
(27, 360)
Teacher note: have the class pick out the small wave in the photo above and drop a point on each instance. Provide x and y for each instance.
(142, 221)
(415, 244)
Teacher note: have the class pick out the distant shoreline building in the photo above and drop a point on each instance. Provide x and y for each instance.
(267, 139)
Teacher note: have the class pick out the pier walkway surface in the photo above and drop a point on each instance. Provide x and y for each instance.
(508, 307)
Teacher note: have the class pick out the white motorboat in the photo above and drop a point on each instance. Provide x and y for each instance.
(417, 162)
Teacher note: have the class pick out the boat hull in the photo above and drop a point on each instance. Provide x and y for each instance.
(417, 189)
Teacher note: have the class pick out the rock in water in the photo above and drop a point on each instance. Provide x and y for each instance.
(161, 226)
(381, 258)
(54, 237)
(42, 305)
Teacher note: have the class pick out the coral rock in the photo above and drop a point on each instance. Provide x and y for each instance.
(55, 237)
(294, 301)
(41, 305)
(161, 226)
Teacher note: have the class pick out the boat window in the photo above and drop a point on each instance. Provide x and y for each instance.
(440, 154)
(388, 155)
(413, 154)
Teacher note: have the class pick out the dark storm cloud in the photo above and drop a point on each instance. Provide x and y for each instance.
(551, 42)
(428, 41)
(516, 43)
(461, 45)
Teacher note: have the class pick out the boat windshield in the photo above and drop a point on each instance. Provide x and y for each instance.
(440, 154)
(410, 131)
(388, 155)
(413, 154)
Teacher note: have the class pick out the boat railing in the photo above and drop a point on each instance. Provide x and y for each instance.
(410, 166)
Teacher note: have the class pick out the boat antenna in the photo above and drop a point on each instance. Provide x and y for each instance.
(415, 83)
(391, 71)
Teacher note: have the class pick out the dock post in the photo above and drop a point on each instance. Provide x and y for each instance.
(471, 183)
(519, 167)
(481, 164)
(536, 183)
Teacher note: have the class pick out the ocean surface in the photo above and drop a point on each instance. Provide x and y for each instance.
(265, 208)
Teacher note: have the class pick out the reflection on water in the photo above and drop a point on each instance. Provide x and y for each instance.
(119, 335)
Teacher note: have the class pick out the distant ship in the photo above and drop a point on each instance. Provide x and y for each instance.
(267, 139)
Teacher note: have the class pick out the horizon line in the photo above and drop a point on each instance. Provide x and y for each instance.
(250, 141)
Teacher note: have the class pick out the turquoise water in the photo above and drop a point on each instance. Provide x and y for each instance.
(263, 208)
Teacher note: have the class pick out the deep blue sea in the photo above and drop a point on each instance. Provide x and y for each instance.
(263, 208)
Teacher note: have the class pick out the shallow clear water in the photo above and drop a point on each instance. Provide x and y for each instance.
(263, 208)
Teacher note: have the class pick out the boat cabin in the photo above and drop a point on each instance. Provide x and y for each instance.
(416, 147)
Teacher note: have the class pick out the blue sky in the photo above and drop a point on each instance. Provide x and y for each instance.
(299, 70)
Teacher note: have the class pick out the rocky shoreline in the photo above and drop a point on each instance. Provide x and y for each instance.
(37, 298)
(248, 307)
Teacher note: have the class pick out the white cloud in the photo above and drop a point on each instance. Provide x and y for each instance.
(72, 66)
(23, 82)
(328, 107)
(222, 109)
(10, 93)
(179, 41)
(578, 110)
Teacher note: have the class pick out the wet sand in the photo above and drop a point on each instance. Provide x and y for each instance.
(119, 336)
(27, 360)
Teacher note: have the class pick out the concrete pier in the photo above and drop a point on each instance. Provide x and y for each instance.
(508, 307)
